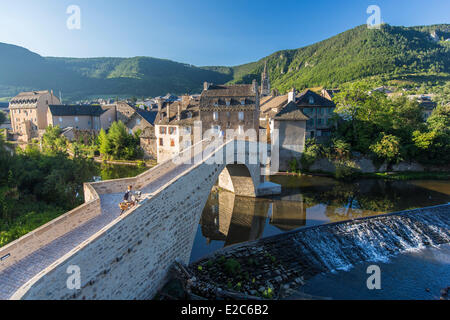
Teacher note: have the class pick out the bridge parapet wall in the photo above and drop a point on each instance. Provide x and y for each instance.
(29, 243)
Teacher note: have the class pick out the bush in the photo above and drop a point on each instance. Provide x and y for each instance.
(345, 169)
(232, 267)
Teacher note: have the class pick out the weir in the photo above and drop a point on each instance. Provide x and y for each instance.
(309, 251)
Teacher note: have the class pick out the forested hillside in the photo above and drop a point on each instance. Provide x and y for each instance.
(408, 55)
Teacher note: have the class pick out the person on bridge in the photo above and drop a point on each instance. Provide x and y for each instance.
(128, 196)
(128, 200)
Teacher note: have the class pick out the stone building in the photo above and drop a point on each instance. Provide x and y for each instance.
(28, 113)
(174, 128)
(265, 82)
(144, 121)
(230, 107)
(288, 131)
(319, 110)
(80, 117)
(219, 108)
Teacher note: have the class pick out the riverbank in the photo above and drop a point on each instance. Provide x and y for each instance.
(403, 175)
(276, 267)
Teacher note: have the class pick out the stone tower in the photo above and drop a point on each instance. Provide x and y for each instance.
(265, 82)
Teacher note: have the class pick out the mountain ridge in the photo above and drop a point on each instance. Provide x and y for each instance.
(393, 52)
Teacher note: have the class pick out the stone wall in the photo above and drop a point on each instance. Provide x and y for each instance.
(45, 234)
(130, 258)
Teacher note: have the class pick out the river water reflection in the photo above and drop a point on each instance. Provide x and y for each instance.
(228, 219)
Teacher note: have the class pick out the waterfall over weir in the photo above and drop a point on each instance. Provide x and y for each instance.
(283, 259)
(338, 246)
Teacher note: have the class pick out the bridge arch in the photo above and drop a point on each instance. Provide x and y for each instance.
(130, 258)
(239, 179)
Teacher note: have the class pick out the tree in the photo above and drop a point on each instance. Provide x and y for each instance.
(103, 141)
(53, 142)
(387, 147)
(2, 117)
(119, 144)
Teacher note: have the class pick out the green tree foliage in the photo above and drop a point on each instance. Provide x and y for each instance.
(53, 142)
(2, 117)
(387, 148)
(36, 187)
(434, 140)
(390, 128)
(119, 144)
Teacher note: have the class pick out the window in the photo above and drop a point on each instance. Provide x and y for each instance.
(161, 141)
(242, 101)
(76, 119)
(172, 130)
(228, 102)
(319, 122)
(172, 143)
(311, 100)
(162, 130)
(138, 121)
(241, 129)
(60, 119)
(215, 115)
(241, 115)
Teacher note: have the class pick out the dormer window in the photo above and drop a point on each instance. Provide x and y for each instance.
(228, 101)
(242, 101)
(216, 103)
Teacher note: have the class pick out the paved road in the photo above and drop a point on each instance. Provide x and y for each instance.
(12, 278)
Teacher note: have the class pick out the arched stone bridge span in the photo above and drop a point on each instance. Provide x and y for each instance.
(128, 256)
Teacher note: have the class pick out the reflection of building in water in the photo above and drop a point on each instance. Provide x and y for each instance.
(288, 215)
(233, 219)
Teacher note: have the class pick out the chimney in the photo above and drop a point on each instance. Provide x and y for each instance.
(168, 112)
(159, 110)
(254, 86)
(179, 112)
(291, 95)
(206, 85)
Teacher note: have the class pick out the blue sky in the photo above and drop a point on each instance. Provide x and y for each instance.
(200, 32)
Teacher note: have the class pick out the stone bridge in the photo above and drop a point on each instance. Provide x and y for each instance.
(128, 256)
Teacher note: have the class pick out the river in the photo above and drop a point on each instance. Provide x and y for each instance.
(306, 201)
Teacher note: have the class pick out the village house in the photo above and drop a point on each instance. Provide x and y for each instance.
(219, 108)
(230, 107)
(174, 128)
(28, 113)
(319, 111)
(144, 121)
(288, 131)
(80, 117)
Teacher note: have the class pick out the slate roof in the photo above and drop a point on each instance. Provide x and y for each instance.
(149, 116)
(274, 102)
(290, 112)
(188, 115)
(76, 110)
(302, 100)
(217, 96)
(235, 90)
